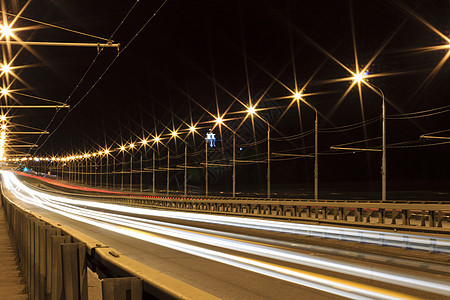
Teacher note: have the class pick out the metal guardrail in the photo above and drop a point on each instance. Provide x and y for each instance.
(54, 258)
(423, 217)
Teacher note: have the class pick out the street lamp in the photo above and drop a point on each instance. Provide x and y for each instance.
(122, 149)
(156, 140)
(358, 78)
(298, 97)
(143, 142)
(131, 166)
(251, 111)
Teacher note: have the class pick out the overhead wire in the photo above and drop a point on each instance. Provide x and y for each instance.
(101, 76)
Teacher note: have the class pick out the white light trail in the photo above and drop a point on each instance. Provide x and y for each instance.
(122, 223)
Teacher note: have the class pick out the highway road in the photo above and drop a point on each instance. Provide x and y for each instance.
(244, 258)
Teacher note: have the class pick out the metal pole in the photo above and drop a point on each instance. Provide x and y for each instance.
(206, 168)
(114, 173)
(101, 171)
(185, 169)
(61, 44)
(87, 180)
(268, 161)
(90, 174)
(107, 169)
(316, 160)
(140, 188)
(95, 172)
(121, 169)
(383, 160)
(153, 173)
(131, 171)
(234, 164)
(168, 173)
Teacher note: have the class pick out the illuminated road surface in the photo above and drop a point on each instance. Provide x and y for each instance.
(249, 267)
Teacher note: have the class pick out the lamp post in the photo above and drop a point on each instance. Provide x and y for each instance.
(155, 140)
(122, 149)
(358, 78)
(251, 111)
(298, 97)
(107, 167)
(131, 166)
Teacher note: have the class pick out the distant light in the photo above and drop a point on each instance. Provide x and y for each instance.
(174, 133)
(156, 139)
(297, 96)
(219, 120)
(2, 118)
(5, 68)
(192, 128)
(85, 156)
(122, 148)
(131, 145)
(360, 76)
(240, 149)
(5, 91)
(144, 142)
(251, 110)
(3, 126)
(106, 151)
(6, 30)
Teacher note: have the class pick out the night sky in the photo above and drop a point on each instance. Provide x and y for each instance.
(195, 58)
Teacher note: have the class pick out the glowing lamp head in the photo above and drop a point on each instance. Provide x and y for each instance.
(192, 129)
(157, 139)
(100, 152)
(106, 151)
(2, 118)
(131, 145)
(298, 96)
(5, 30)
(3, 127)
(360, 76)
(5, 68)
(174, 133)
(144, 142)
(5, 92)
(219, 120)
(251, 110)
(122, 148)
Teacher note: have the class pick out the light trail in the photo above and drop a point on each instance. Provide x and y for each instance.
(133, 226)
(402, 240)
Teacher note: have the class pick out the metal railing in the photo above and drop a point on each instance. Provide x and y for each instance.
(433, 217)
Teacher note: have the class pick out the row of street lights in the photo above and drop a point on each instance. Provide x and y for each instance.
(253, 112)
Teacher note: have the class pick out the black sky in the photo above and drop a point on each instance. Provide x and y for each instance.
(196, 55)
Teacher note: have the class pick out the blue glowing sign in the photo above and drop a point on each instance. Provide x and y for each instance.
(211, 139)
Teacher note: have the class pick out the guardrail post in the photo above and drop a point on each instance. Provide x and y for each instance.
(422, 218)
(381, 215)
(405, 217)
(48, 240)
(431, 218)
(439, 219)
(34, 258)
(358, 215)
(57, 284)
(42, 262)
(126, 288)
(324, 212)
(74, 270)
